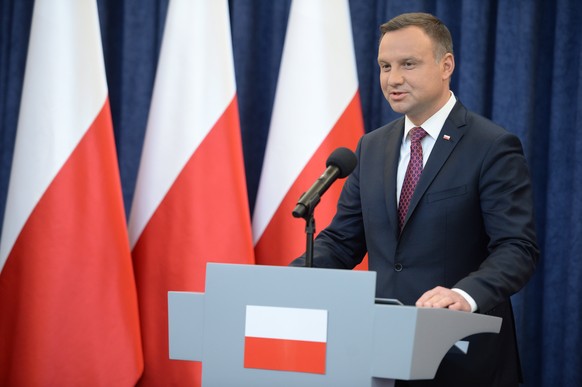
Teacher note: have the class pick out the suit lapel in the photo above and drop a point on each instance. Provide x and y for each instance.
(393, 142)
(448, 138)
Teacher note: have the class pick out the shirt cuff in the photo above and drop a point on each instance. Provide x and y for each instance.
(467, 297)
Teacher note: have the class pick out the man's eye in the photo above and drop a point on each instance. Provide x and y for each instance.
(408, 65)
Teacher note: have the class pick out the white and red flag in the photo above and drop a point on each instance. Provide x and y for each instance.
(316, 110)
(68, 304)
(285, 339)
(190, 206)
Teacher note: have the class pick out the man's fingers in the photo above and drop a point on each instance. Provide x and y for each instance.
(436, 301)
(456, 306)
(441, 297)
(428, 295)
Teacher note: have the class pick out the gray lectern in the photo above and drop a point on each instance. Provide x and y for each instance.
(288, 326)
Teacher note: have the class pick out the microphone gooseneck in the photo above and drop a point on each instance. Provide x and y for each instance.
(340, 164)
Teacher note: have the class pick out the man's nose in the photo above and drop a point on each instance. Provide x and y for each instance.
(395, 77)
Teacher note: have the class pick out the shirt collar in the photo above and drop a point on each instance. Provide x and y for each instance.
(435, 123)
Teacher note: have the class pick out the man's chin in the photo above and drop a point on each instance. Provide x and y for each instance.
(398, 107)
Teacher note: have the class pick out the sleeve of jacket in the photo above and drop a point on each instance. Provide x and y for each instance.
(507, 208)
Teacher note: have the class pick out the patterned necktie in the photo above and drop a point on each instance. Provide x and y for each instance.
(413, 172)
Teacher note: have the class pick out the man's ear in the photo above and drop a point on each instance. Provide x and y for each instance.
(448, 65)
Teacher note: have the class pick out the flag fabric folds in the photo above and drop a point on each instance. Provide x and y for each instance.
(68, 303)
(190, 206)
(317, 109)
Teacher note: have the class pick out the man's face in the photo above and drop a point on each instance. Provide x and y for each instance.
(412, 81)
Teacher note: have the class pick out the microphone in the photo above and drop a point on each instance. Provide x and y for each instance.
(340, 164)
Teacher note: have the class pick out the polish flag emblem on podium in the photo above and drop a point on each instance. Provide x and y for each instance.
(285, 339)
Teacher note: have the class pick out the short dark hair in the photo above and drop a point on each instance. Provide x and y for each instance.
(431, 25)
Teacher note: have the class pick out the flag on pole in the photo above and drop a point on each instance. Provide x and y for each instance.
(68, 303)
(317, 109)
(190, 206)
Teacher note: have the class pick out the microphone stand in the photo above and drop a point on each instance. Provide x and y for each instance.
(310, 231)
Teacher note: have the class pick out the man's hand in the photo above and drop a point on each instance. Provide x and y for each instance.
(440, 297)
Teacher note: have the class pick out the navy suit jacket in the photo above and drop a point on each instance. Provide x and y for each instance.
(470, 225)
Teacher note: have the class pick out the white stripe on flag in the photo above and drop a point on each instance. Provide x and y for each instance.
(286, 323)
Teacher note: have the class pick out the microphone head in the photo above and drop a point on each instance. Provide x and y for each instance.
(343, 159)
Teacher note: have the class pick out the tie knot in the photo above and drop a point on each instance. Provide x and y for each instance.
(417, 134)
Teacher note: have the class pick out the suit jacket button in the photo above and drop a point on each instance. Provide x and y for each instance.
(398, 267)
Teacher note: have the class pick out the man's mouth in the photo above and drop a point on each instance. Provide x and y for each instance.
(397, 95)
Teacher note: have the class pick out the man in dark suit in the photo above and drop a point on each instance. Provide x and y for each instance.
(465, 238)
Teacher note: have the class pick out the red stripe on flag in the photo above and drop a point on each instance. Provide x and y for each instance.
(203, 218)
(285, 355)
(67, 295)
(284, 238)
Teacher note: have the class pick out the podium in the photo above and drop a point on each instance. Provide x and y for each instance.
(293, 326)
